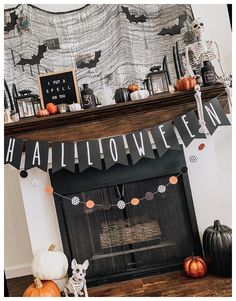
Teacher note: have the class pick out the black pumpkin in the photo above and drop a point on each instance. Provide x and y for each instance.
(217, 243)
(122, 95)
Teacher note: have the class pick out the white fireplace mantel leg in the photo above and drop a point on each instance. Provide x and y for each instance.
(40, 211)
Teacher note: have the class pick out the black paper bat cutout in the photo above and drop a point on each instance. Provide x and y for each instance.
(35, 58)
(92, 63)
(176, 29)
(11, 25)
(132, 17)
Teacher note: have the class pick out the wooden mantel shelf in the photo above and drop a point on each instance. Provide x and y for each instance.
(111, 120)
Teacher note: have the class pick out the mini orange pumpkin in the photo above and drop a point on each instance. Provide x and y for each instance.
(185, 83)
(195, 266)
(42, 113)
(52, 109)
(133, 87)
(40, 288)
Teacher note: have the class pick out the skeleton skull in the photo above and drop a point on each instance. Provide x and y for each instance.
(197, 28)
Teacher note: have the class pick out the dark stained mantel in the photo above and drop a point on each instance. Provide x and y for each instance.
(111, 120)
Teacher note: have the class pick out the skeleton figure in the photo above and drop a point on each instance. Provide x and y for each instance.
(200, 51)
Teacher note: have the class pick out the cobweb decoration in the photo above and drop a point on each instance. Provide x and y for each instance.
(193, 158)
(121, 204)
(36, 182)
(149, 196)
(161, 189)
(75, 200)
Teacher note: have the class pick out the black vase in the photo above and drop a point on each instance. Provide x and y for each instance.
(88, 98)
(217, 243)
(122, 95)
(208, 74)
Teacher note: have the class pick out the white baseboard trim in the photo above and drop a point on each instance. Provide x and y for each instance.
(18, 271)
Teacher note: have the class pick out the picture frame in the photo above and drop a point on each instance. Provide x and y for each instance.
(58, 87)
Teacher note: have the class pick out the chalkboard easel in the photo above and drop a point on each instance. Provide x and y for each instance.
(58, 87)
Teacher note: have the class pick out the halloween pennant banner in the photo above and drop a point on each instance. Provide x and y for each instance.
(137, 145)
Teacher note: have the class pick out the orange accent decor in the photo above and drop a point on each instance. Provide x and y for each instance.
(185, 83)
(195, 266)
(90, 204)
(201, 146)
(40, 288)
(135, 201)
(173, 180)
(52, 109)
(49, 189)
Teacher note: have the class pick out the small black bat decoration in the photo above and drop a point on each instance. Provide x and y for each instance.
(132, 17)
(35, 58)
(92, 63)
(11, 25)
(176, 29)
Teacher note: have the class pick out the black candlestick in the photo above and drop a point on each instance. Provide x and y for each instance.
(8, 94)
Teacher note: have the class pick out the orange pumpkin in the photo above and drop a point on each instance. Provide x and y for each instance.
(185, 83)
(195, 266)
(52, 109)
(42, 113)
(133, 87)
(40, 288)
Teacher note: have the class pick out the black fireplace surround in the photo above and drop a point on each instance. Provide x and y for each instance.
(151, 238)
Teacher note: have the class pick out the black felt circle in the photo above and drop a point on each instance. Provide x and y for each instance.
(24, 174)
(184, 169)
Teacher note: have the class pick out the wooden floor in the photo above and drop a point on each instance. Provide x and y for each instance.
(174, 284)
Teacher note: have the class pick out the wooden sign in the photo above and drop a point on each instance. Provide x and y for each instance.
(58, 87)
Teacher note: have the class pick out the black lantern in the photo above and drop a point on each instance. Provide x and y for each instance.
(157, 81)
(27, 104)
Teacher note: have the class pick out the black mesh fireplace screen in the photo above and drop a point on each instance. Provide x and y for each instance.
(151, 237)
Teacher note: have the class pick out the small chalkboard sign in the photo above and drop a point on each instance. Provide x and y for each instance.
(58, 87)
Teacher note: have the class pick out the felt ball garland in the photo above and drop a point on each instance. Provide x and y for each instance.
(121, 204)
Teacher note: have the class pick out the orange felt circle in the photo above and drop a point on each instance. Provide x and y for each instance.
(201, 146)
(49, 189)
(90, 204)
(173, 180)
(135, 201)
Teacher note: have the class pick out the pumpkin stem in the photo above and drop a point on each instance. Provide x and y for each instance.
(193, 255)
(38, 283)
(217, 225)
(52, 247)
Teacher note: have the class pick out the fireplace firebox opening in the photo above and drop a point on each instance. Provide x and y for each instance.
(122, 243)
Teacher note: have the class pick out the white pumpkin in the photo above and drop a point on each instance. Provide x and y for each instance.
(49, 264)
(139, 94)
(74, 107)
(61, 283)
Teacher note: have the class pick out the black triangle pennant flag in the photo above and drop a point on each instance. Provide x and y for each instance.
(139, 146)
(188, 127)
(214, 115)
(114, 151)
(13, 148)
(36, 154)
(63, 156)
(164, 138)
(89, 155)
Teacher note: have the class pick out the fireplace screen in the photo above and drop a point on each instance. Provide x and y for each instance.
(153, 236)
